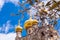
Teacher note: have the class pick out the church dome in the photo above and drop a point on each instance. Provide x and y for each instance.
(28, 23)
(34, 21)
(18, 28)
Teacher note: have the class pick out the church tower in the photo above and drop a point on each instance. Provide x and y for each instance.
(30, 26)
(18, 30)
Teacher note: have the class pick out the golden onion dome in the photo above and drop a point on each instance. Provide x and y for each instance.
(28, 23)
(34, 21)
(18, 28)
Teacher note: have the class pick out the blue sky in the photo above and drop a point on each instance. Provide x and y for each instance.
(6, 18)
(8, 22)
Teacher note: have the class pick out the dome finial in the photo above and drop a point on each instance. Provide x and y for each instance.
(19, 22)
(30, 16)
